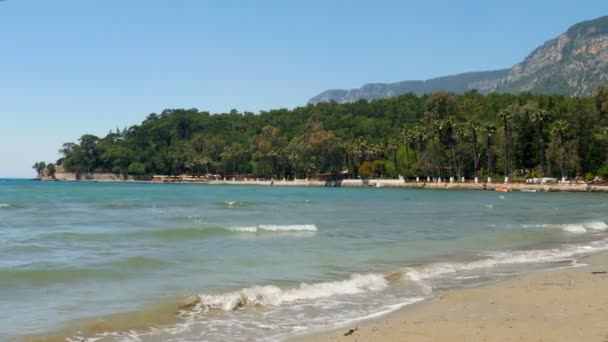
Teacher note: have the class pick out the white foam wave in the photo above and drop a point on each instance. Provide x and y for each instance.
(535, 225)
(4, 205)
(234, 204)
(577, 228)
(596, 225)
(276, 228)
(271, 295)
(244, 229)
(504, 258)
(574, 228)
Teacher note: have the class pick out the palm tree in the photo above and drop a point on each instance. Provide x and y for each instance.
(408, 138)
(474, 128)
(602, 136)
(418, 133)
(600, 96)
(506, 116)
(435, 138)
(461, 136)
(560, 130)
(233, 153)
(392, 145)
(489, 131)
(449, 128)
(540, 117)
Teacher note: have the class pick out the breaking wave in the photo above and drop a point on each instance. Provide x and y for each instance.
(180, 233)
(235, 204)
(271, 295)
(276, 228)
(576, 228)
(505, 258)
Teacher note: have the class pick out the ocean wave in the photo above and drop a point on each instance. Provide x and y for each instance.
(286, 311)
(271, 295)
(12, 205)
(124, 205)
(576, 228)
(504, 258)
(179, 233)
(596, 225)
(45, 276)
(138, 262)
(275, 228)
(234, 204)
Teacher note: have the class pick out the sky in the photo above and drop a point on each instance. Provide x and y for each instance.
(70, 67)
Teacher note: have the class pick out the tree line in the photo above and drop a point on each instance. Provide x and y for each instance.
(437, 135)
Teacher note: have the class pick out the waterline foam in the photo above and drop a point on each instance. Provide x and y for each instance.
(596, 225)
(577, 228)
(574, 228)
(276, 228)
(505, 258)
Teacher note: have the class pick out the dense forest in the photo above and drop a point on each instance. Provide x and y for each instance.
(437, 135)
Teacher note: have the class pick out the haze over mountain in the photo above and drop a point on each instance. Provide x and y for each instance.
(574, 63)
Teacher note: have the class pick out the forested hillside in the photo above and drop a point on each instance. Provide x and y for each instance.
(442, 134)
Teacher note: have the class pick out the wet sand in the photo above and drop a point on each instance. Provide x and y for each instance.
(557, 305)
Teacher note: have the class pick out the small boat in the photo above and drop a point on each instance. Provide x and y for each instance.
(502, 189)
(529, 190)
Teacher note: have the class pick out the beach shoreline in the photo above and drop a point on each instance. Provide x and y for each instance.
(346, 183)
(565, 304)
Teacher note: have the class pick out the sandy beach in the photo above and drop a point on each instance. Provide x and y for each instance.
(557, 305)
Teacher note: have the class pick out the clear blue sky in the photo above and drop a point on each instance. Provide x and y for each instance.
(69, 67)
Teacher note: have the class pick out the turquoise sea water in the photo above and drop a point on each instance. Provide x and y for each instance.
(264, 262)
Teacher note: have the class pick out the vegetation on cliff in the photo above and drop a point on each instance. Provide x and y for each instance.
(440, 135)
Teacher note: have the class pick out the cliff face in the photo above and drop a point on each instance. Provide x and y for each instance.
(574, 63)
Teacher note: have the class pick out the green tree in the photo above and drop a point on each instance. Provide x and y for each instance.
(601, 99)
(474, 129)
(560, 131)
(39, 167)
(51, 170)
(441, 134)
(489, 130)
(233, 155)
(137, 168)
(268, 149)
(505, 116)
(540, 117)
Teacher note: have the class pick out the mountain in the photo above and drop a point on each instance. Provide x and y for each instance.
(485, 81)
(574, 63)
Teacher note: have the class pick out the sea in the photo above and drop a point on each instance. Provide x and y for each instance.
(184, 262)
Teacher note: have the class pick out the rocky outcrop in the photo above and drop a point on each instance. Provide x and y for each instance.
(62, 175)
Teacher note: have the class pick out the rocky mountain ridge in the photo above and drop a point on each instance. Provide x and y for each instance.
(574, 63)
